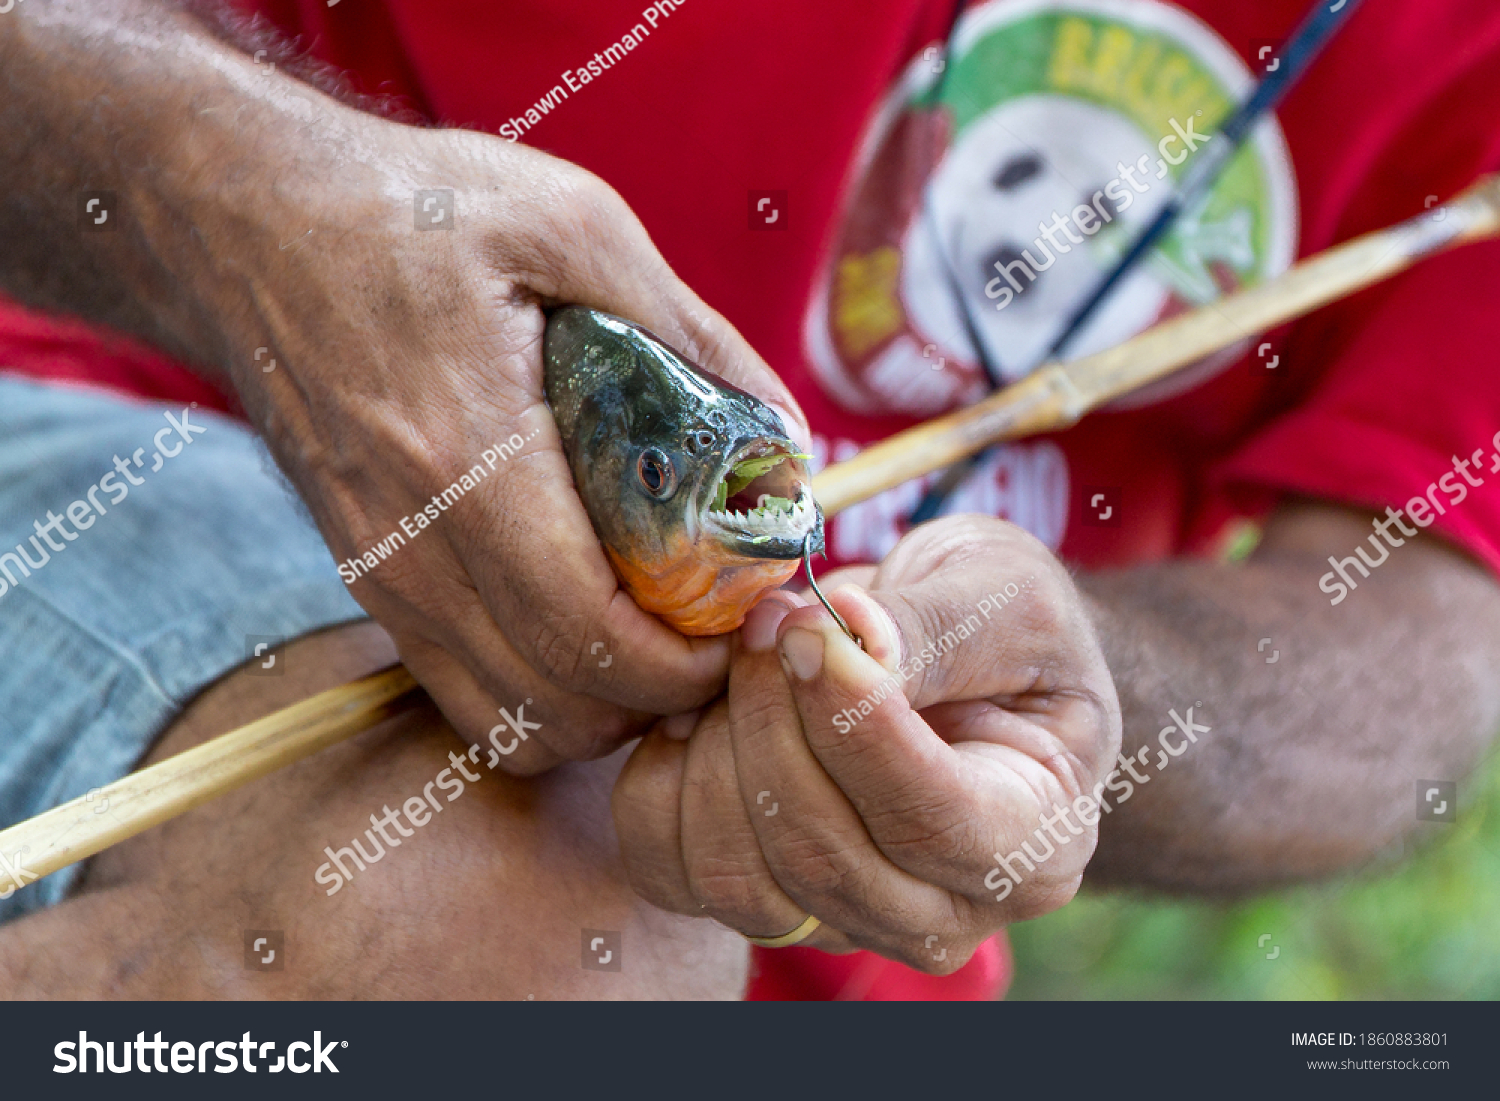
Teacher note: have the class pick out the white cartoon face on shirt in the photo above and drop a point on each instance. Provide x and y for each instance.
(1045, 144)
(1020, 220)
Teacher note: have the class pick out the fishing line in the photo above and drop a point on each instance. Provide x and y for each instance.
(807, 565)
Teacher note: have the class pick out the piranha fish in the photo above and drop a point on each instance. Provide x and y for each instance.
(700, 500)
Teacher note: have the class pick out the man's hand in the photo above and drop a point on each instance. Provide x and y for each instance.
(877, 790)
(408, 358)
(270, 232)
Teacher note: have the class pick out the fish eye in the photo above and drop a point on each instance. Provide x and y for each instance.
(654, 468)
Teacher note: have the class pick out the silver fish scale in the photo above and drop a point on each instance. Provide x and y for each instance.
(567, 393)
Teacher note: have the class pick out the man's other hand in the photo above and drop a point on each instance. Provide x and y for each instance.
(877, 789)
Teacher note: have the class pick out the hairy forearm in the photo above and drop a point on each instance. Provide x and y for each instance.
(1318, 736)
(204, 149)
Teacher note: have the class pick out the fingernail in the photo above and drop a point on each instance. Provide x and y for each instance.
(802, 652)
(680, 727)
(759, 631)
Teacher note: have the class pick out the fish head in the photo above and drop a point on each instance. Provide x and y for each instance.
(692, 484)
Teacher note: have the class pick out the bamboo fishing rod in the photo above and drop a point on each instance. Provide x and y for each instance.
(1057, 395)
(1051, 398)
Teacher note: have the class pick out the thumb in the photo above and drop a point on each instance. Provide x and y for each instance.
(955, 638)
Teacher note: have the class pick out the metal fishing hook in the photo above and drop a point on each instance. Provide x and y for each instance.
(807, 565)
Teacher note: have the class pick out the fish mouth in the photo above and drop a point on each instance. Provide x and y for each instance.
(762, 504)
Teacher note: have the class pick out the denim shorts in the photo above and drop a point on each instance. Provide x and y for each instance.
(145, 550)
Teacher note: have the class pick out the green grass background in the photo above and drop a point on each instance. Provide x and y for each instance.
(1427, 926)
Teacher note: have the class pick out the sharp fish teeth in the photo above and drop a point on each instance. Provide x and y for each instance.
(770, 521)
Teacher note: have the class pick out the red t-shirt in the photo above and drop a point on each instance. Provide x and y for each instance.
(779, 153)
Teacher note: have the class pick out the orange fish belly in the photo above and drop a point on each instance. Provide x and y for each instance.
(699, 598)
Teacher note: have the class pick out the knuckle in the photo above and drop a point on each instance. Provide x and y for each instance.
(600, 210)
(649, 870)
(648, 877)
(592, 193)
(972, 529)
(559, 645)
(930, 833)
(655, 891)
(756, 711)
(576, 207)
(728, 891)
(820, 870)
(943, 939)
(952, 540)
(1045, 612)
